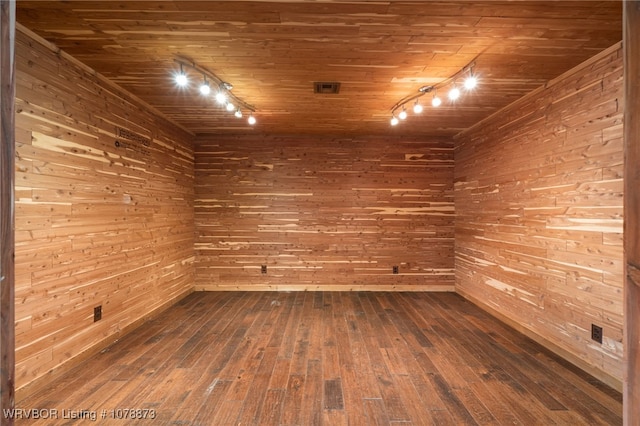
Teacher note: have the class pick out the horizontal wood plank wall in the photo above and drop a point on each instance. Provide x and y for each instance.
(104, 210)
(539, 214)
(323, 213)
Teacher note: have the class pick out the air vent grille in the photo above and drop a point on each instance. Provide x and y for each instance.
(326, 87)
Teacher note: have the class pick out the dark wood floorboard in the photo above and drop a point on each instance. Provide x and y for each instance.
(326, 358)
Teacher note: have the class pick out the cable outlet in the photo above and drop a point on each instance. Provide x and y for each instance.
(97, 313)
(596, 333)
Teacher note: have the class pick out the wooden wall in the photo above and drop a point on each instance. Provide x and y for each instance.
(104, 210)
(631, 45)
(323, 213)
(539, 208)
(7, 216)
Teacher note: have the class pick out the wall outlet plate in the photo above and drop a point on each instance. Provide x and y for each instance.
(596, 333)
(97, 313)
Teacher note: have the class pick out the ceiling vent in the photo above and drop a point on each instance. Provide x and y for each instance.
(326, 87)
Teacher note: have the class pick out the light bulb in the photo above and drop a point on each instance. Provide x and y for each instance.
(436, 101)
(205, 89)
(403, 114)
(221, 97)
(394, 120)
(238, 113)
(454, 93)
(417, 107)
(181, 78)
(470, 82)
(230, 106)
(251, 119)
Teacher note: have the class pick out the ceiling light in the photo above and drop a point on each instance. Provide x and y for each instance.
(436, 101)
(454, 93)
(223, 94)
(181, 78)
(399, 112)
(205, 89)
(470, 82)
(221, 97)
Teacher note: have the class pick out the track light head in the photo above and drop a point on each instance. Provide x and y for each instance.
(454, 93)
(221, 97)
(470, 82)
(205, 89)
(181, 78)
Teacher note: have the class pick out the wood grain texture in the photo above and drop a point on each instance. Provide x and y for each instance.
(7, 211)
(323, 213)
(380, 51)
(632, 211)
(539, 213)
(331, 358)
(104, 200)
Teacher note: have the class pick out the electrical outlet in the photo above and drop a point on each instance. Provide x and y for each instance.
(97, 313)
(395, 269)
(263, 269)
(596, 333)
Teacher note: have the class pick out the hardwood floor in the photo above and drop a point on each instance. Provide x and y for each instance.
(326, 358)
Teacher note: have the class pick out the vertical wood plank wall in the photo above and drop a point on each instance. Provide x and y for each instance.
(7, 217)
(323, 213)
(104, 210)
(632, 211)
(539, 214)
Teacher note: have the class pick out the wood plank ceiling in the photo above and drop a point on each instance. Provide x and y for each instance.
(380, 51)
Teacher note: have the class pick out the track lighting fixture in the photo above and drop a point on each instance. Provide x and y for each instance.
(181, 78)
(205, 89)
(436, 101)
(470, 83)
(223, 95)
(454, 93)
